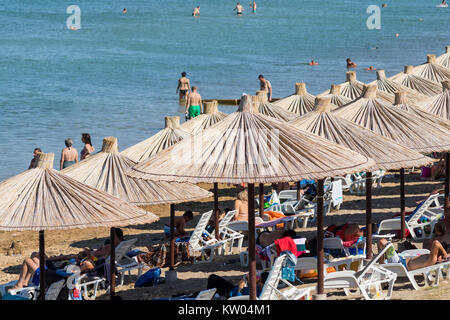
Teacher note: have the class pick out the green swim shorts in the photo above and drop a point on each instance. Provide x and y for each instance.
(194, 111)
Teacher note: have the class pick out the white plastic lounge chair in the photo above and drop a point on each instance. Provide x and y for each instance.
(29, 292)
(198, 244)
(431, 274)
(290, 209)
(370, 277)
(433, 214)
(230, 235)
(270, 289)
(337, 244)
(287, 195)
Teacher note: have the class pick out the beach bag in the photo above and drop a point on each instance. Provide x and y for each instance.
(288, 268)
(150, 278)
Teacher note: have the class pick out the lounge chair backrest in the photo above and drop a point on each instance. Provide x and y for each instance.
(196, 235)
(372, 262)
(389, 224)
(269, 289)
(54, 290)
(226, 220)
(424, 207)
(122, 249)
(288, 195)
(333, 243)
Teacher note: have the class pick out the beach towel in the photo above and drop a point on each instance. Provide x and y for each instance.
(286, 244)
(275, 215)
(159, 255)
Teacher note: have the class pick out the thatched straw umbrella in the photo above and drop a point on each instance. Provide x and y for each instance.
(43, 199)
(444, 60)
(387, 154)
(170, 135)
(404, 128)
(337, 100)
(253, 148)
(271, 109)
(440, 105)
(299, 103)
(431, 70)
(402, 103)
(390, 86)
(211, 116)
(421, 85)
(105, 171)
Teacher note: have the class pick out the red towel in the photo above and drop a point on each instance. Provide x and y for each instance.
(286, 243)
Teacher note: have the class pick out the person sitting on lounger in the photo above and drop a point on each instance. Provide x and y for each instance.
(180, 223)
(87, 259)
(226, 289)
(241, 207)
(437, 254)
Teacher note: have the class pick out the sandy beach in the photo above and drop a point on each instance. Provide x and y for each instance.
(15, 246)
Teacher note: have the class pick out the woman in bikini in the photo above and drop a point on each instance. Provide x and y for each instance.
(69, 155)
(88, 148)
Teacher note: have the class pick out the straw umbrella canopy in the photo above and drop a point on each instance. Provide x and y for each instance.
(105, 171)
(390, 86)
(299, 103)
(412, 81)
(401, 126)
(402, 103)
(337, 100)
(43, 199)
(270, 109)
(431, 70)
(440, 105)
(444, 60)
(253, 148)
(170, 135)
(210, 116)
(387, 154)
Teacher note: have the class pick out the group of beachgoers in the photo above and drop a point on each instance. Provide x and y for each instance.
(238, 8)
(69, 154)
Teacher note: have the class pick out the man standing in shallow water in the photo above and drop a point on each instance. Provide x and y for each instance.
(196, 11)
(239, 8)
(265, 86)
(193, 103)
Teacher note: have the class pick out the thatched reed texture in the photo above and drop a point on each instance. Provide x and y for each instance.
(444, 60)
(421, 85)
(390, 86)
(299, 103)
(170, 135)
(337, 100)
(250, 147)
(105, 171)
(440, 105)
(431, 70)
(43, 199)
(393, 123)
(386, 153)
(271, 109)
(402, 103)
(211, 116)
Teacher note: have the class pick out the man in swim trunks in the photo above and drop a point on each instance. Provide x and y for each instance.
(239, 8)
(253, 6)
(183, 86)
(265, 86)
(194, 103)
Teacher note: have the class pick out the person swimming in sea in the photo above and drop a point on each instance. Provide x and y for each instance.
(253, 6)
(124, 10)
(196, 11)
(239, 9)
(351, 64)
(371, 68)
(313, 63)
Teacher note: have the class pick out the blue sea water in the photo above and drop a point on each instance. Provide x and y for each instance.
(117, 75)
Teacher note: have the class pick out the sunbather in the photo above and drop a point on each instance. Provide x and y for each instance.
(241, 207)
(226, 289)
(437, 254)
(266, 238)
(87, 259)
(441, 234)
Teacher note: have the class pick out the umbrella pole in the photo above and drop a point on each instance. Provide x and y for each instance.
(112, 260)
(172, 236)
(320, 254)
(369, 215)
(261, 199)
(447, 188)
(251, 241)
(216, 210)
(41, 265)
(402, 203)
(298, 191)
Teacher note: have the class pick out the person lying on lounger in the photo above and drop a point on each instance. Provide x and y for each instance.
(437, 254)
(226, 289)
(441, 234)
(87, 259)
